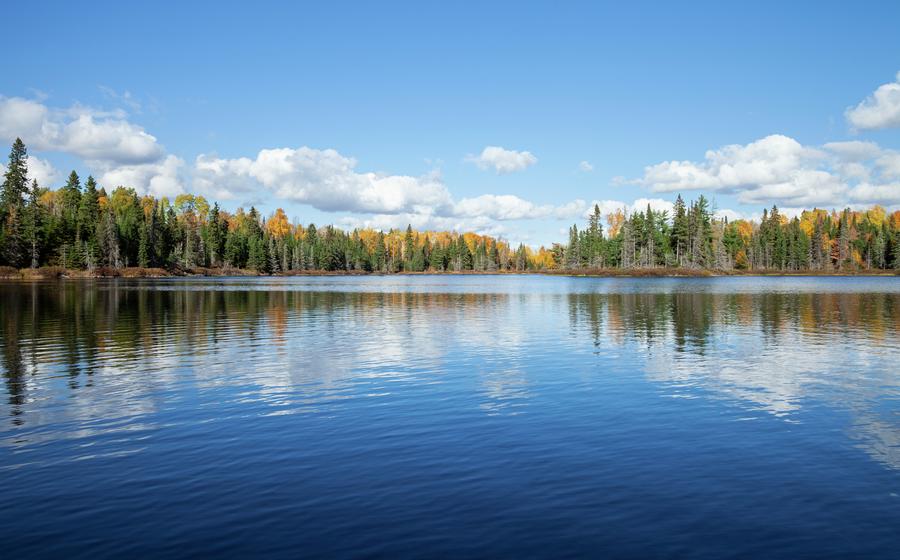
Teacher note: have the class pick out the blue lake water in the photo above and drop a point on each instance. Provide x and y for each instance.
(451, 416)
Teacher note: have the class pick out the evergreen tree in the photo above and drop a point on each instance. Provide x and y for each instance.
(71, 202)
(34, 223)
(89, 210)
(408, 249)
(144, 246)
(109, 240)
(680, 232)
(12, 205)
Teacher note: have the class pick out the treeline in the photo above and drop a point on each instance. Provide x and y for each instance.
(816, 240)
(84, 227)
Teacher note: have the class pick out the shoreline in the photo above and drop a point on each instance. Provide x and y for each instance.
(56, 273)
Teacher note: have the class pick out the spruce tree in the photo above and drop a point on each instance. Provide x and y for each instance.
(89, 210)
(679, 231)
(12, 205)
(408, 249)
(71, 202)
(34, 223)
(109, 240)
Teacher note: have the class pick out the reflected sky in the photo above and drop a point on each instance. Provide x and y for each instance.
(76, 352)
(549, 372)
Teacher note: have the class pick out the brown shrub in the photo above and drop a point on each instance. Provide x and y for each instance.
(43, 273)
(9, 272)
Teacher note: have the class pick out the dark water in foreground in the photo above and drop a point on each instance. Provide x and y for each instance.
(451, 416)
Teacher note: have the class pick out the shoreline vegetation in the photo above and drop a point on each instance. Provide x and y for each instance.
(57, 273)
(83, 231)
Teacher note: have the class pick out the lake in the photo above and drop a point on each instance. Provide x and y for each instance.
(451, 416)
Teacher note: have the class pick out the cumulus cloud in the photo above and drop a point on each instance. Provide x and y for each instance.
(38, 169)
(502, 160)
(80, 131)
(481, 225)
(117, 150)
(730, 215)
(778, 169)
(879, 110)
(585, 166)
(330, 181)
(639, 205)
(769, 160)
(324, 179)
(43, 171)
(889, 164)
(876, 194)
(511, 207)
(475, 214)
(161, 178)
(120, 152)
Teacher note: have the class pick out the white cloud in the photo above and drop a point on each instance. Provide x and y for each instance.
(511, 207)
(502, 160)
(778, 169)
(80, 131)
(889, 164)
(116, 150)
(805, 187)
(121, 153)
(39, 169)
(731, 215)
(330, 181)
(854, 150)
(224, 179)
(879, 110)
(656, 204)
(876, 194)
(162, 178)
(22, 118)
(769, 160)
(639, 205)
(108, 140)
(585, 166)
(323, 179)
(481, 225)
(43, 171)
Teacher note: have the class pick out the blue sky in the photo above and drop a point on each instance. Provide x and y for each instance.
(380, 113)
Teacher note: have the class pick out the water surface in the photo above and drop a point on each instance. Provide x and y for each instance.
(435, 416)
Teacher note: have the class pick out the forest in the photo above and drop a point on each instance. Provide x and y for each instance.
(692, 238)
(84, 227)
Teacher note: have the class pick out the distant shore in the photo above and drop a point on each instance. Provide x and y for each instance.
(55, 273)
